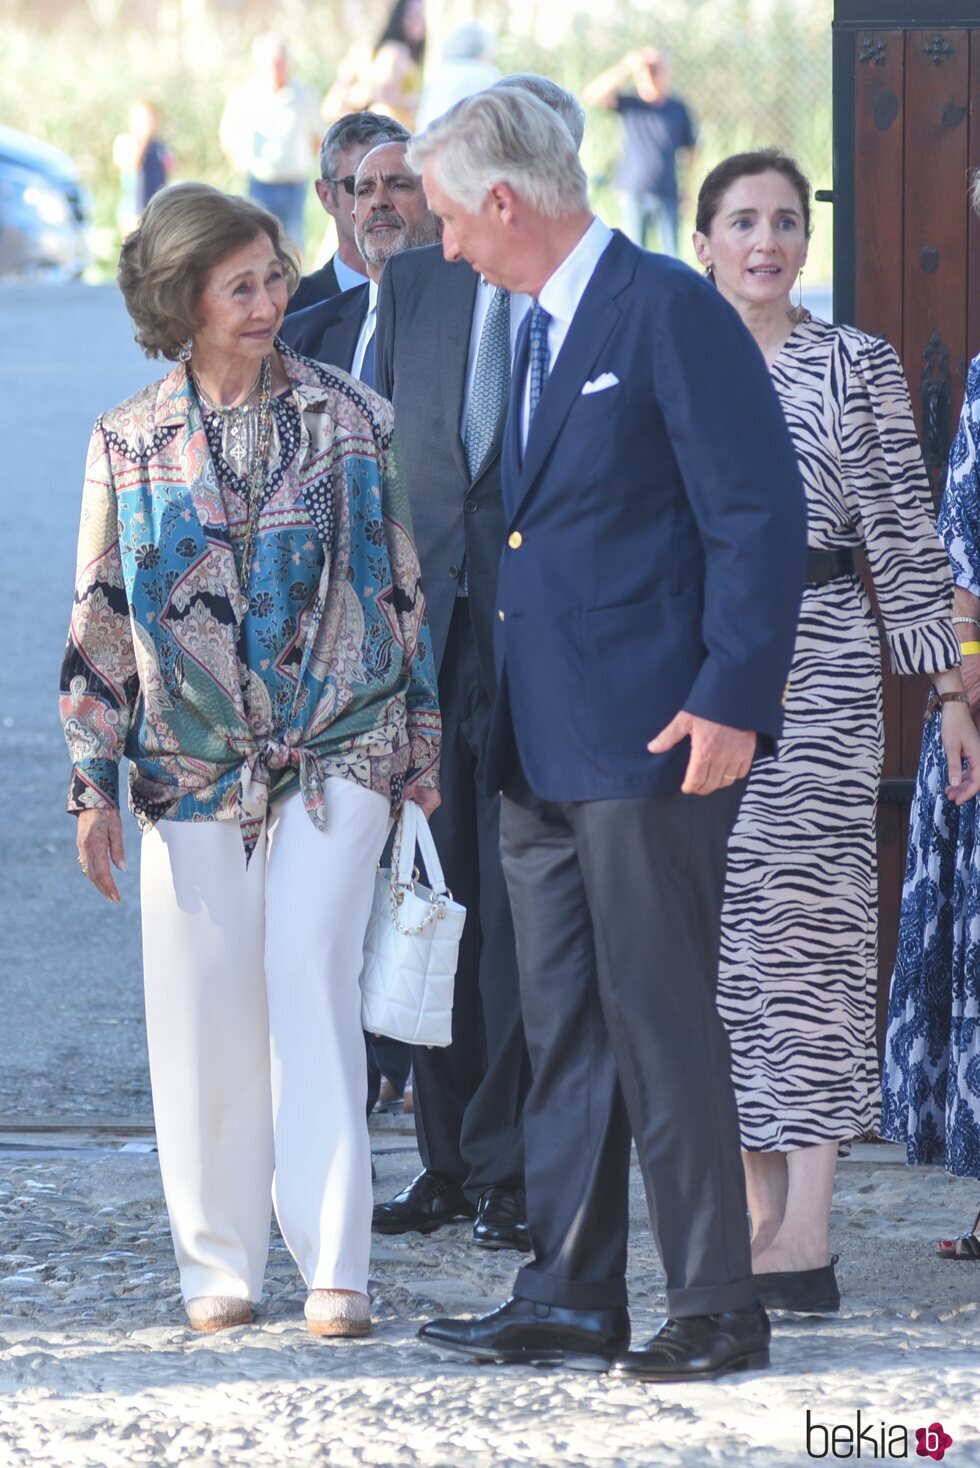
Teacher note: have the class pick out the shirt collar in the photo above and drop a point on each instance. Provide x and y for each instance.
(562, 291)
(372, 295)
(347, 278)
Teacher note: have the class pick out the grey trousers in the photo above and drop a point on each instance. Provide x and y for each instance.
(616, 907)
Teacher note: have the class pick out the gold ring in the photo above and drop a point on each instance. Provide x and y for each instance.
(729, 779)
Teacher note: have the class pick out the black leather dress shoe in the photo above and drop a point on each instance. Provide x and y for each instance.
(426, 1204)
(700, 1347)
(501, 1220)
(807, 1291)
(527, 1333)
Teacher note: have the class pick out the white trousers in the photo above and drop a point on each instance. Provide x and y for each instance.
(254, 1032)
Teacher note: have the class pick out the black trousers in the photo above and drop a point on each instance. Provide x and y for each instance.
(617, 907)
(469, 1097)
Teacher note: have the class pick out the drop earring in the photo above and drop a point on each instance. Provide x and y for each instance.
(799, 313)
(184, 355)
(709, 271)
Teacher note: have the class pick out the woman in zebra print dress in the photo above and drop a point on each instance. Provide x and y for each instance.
(798, 963)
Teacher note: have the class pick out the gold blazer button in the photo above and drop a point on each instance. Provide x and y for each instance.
(515, 540)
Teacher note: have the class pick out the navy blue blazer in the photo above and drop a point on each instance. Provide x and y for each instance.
(656, 539)
(328, 332)
(319, 285)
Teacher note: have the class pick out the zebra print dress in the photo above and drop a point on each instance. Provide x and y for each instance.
(799, 927)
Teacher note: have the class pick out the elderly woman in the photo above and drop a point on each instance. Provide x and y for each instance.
(249, 631)
(798, 957)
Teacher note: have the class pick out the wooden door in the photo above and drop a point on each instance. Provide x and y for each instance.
(907, 267)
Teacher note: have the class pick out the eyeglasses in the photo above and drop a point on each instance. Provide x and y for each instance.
(347, 182)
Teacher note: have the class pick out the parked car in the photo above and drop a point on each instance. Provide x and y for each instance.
(44, 211)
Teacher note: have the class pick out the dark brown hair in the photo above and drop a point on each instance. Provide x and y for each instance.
(749, 165)
(184, 232)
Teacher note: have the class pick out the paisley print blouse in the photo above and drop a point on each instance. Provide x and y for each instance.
(219, 700)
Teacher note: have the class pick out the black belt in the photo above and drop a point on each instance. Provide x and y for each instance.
(829, 565)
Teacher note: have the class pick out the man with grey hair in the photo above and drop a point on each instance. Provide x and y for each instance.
(565, 104)
(469, 1098)
(648, 596)
(390, 215)
(342, 148)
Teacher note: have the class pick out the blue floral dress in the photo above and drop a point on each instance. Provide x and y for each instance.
(931, 1079)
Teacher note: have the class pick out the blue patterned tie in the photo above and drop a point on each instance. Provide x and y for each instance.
(491, 381)
(540, 362)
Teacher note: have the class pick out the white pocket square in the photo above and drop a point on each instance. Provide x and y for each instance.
(608, 379)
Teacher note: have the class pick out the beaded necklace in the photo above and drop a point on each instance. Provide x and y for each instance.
(246, 432)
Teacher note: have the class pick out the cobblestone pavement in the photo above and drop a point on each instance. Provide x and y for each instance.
(97, 1367)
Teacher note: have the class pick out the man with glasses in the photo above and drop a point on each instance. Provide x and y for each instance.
(343, 147)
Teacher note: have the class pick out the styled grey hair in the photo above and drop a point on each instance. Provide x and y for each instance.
(503, 135)
(354, 128)
(566, 104)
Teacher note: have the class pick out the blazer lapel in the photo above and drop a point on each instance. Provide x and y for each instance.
(511, 455)
(595, 320)
(455, 324)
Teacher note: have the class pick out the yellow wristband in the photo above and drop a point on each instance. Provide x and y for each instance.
(969, 647)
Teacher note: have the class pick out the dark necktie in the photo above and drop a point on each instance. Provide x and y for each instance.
(367, 366)
(491, 380)
(540, 360)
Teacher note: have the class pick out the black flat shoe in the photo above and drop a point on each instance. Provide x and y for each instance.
(426, 1204)
(527, 1333)
(807, 1291)
(700, 1347)
(501, 1220)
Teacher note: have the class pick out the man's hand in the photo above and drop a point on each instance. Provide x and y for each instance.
(99, 837)
(720, 755)
(427, 799)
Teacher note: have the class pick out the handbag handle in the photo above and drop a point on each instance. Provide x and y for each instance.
(413, 831)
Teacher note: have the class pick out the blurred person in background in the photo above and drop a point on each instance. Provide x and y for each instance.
(467, 66)
(343, 147)
(389, 78)
(445, 345)
(931, 1077)
(658, 127)
(798, 979)
(249, 631)
(270, 131)
(144, 162)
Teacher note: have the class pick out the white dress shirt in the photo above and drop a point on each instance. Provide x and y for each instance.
(519, 306)
(367, 330)
(347, 278)
(560, 297)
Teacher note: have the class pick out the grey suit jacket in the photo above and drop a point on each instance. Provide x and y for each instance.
(425, 312)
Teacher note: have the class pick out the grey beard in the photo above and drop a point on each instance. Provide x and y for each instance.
(410, 237)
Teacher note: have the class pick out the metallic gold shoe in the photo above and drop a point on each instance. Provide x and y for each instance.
(337, 1313)
(217, 1312)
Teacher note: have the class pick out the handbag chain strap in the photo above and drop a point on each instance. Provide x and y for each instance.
(435, 908)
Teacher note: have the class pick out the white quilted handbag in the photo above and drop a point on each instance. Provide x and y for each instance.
(412, 943)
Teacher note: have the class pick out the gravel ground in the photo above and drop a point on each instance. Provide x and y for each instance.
(97, 1367)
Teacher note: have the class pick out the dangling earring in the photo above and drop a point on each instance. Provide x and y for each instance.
(184, 355)
(709, 271)
(799, 313)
